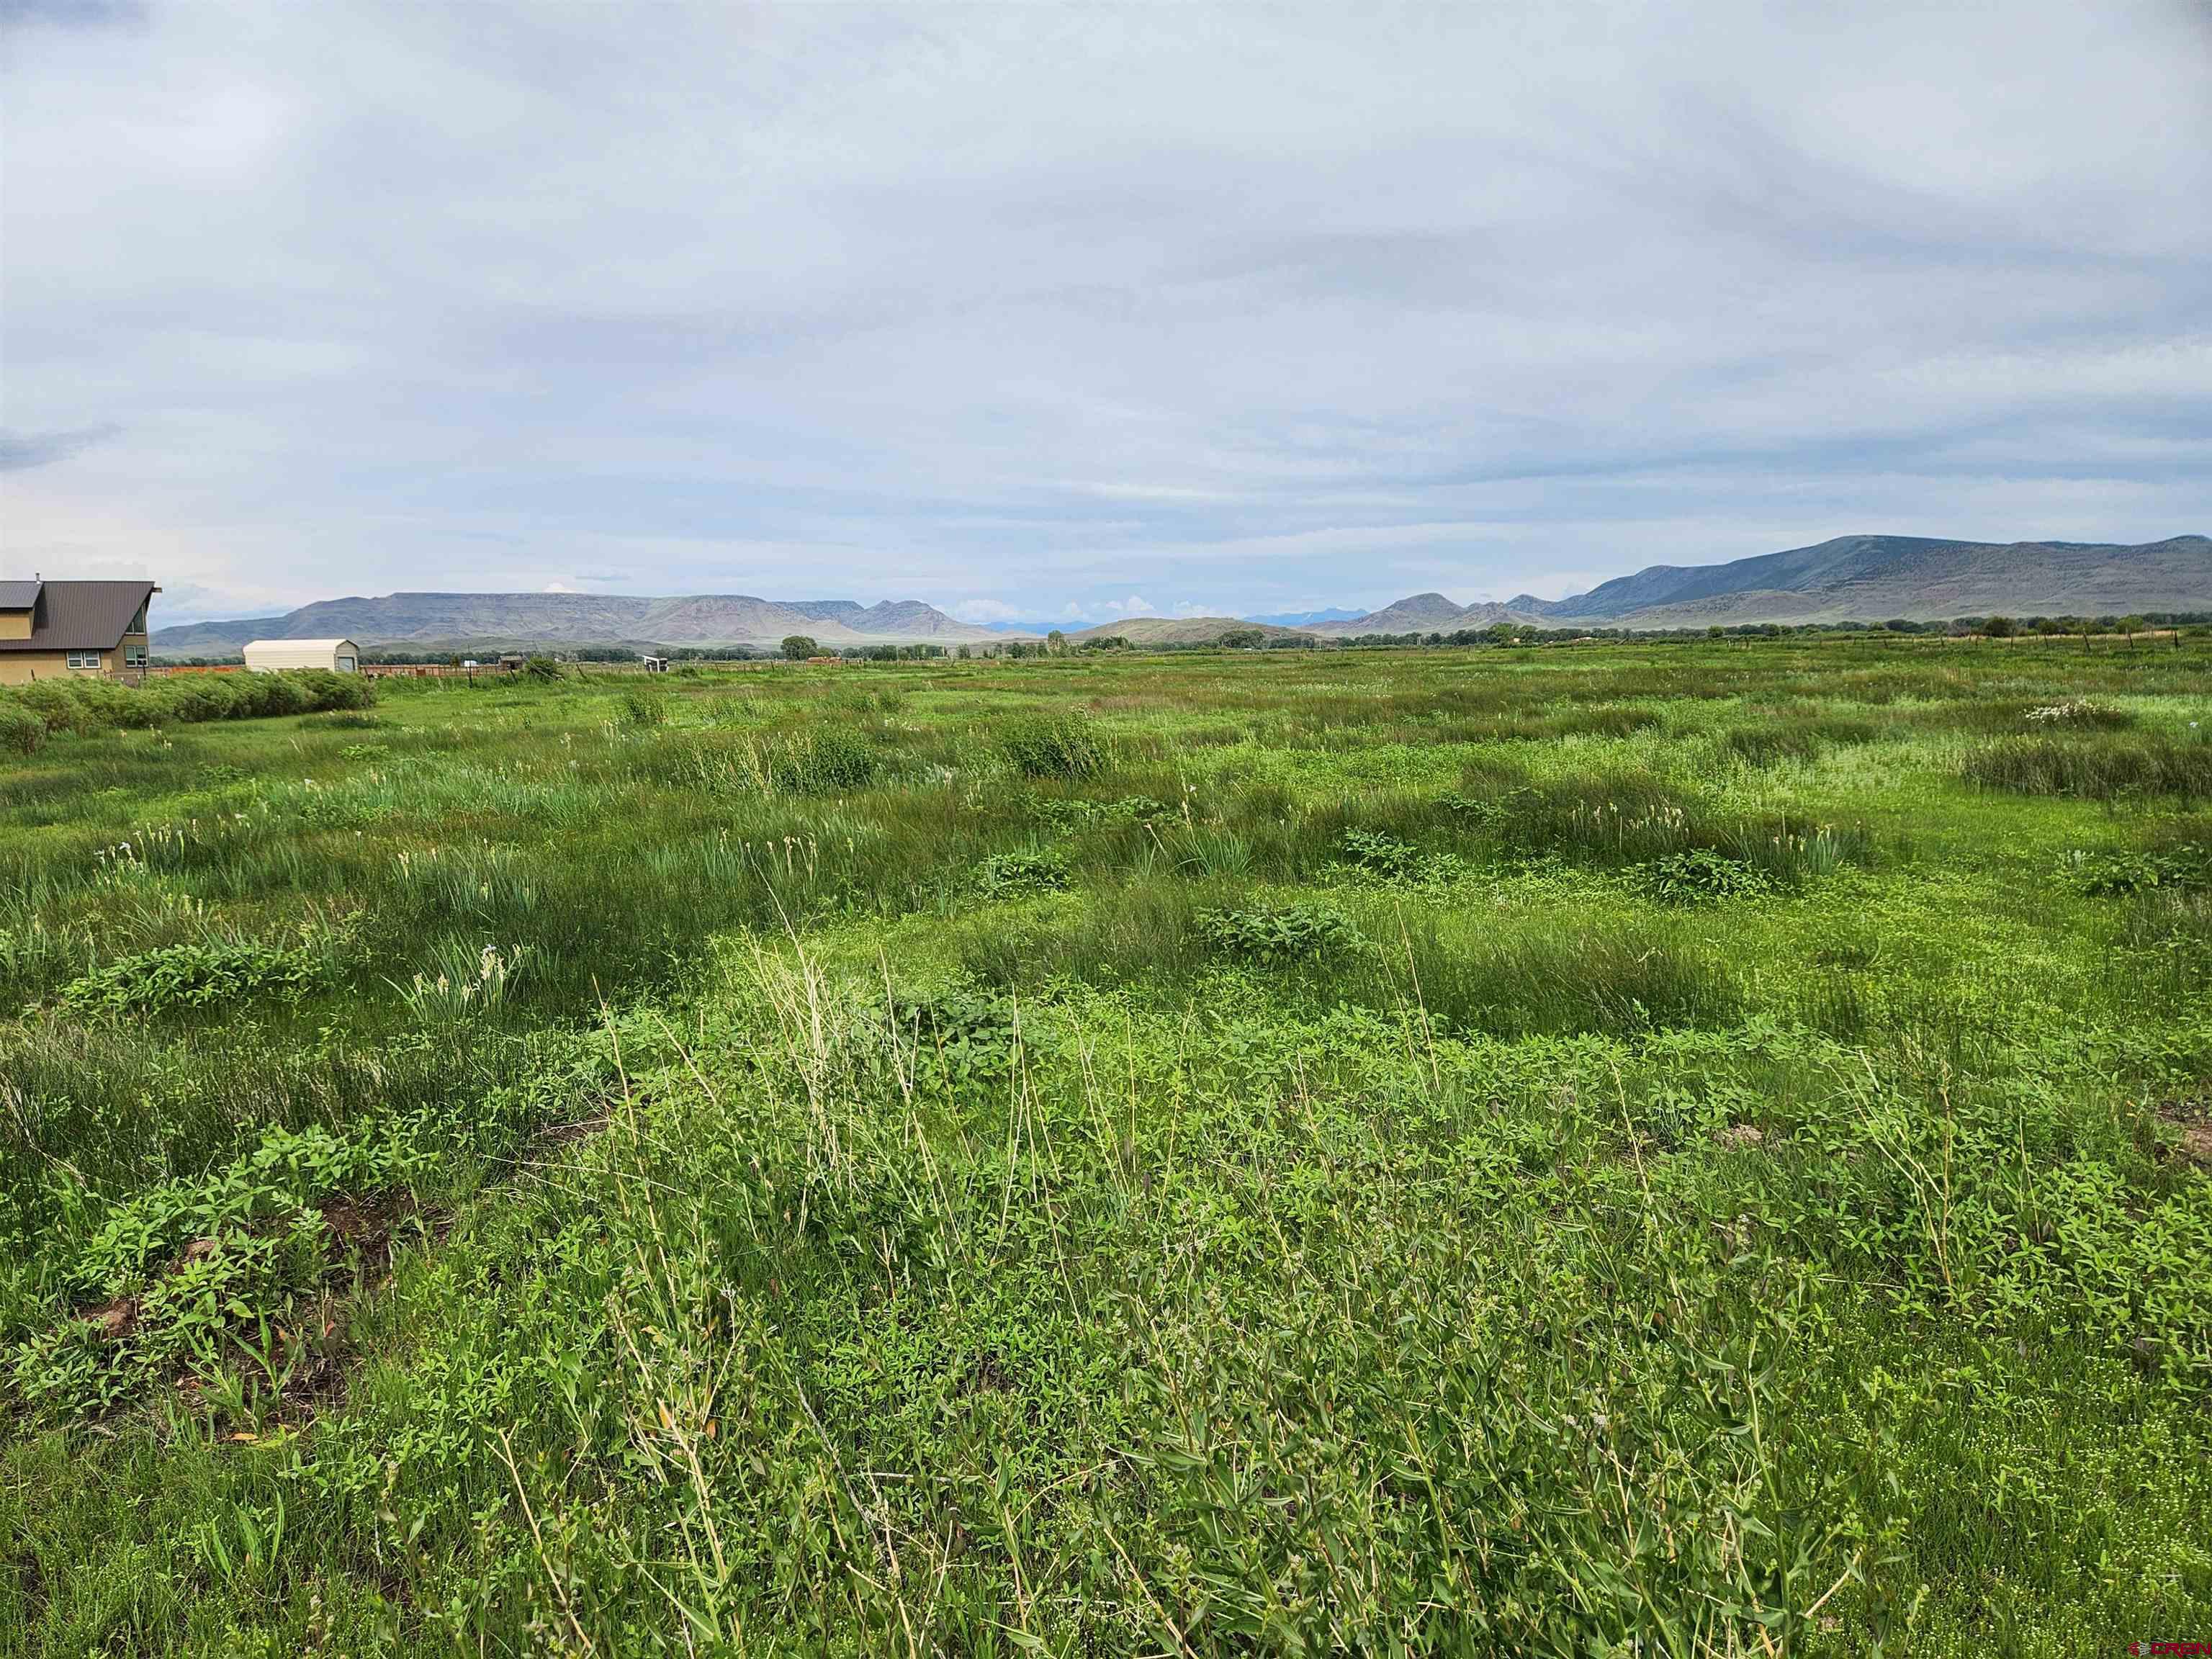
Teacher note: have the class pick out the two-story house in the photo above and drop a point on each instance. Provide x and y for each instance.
(53, 630)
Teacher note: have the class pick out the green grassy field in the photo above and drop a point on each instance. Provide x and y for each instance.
(1685, 1149)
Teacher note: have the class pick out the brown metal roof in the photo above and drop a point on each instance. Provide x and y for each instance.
(82, 616)
(19, 595)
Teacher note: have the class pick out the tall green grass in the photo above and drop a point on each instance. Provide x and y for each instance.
(1645, 1148)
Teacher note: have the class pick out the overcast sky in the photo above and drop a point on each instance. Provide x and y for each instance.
(1041, 313)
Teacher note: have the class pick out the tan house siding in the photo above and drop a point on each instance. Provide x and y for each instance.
(22, 667)
(15, 624)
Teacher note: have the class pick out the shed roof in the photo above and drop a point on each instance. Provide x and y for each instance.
(81, 616)
(296, 645)
(17, 595)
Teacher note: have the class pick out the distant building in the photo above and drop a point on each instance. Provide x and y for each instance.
(59, 630)
(274, 656)
(656, 664)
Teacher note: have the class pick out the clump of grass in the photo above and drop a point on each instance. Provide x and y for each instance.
(2079, 714)
(1771, 741)
(1631, 819)
(1611, 979)
(1208, 852)
(464, 981)
(2092, 768)
(830, 761)
(1141, 929)
(1052, 746)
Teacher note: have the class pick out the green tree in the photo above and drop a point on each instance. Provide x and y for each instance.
(1999, 627)
(2132, 626)
(798, 648)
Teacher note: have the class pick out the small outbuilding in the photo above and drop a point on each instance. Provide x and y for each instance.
(274, 656)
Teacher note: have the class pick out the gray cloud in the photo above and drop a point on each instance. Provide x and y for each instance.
(1032, 306)
(21, 451)
(71, 13)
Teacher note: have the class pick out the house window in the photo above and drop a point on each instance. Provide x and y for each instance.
(134, 656)
(84, 660)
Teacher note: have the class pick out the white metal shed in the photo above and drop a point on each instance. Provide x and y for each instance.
(274, 656)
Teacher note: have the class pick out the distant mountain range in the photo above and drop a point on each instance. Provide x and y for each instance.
(484, 621)
(1852, 578)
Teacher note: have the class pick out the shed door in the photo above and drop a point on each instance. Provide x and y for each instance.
(346, 665)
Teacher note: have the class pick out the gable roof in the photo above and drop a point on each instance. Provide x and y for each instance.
(80, 616)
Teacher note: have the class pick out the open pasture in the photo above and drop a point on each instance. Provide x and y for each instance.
(1689, 1148)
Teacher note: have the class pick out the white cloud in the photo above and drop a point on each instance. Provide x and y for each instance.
(983, 611)
(1036, 305)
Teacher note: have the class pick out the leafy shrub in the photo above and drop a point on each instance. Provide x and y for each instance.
(1052, 747)
(640, 707)
(1276, 935)
(1006, 873)
(830, 762)
(199, 974)
(2185, 865)
(22, 732)
(965, 1035)
(200, 1272)
(1379, 853)
(1476, 809)
(544, 669)
(1700, 876)
(1069, 815)
(89, 705)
